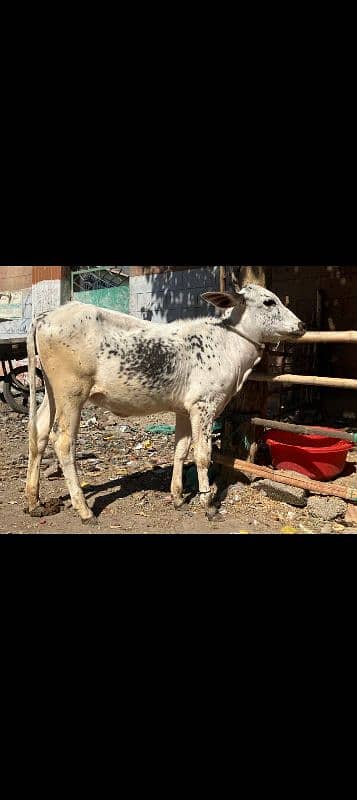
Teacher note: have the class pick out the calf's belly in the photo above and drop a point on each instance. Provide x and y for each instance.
(126, 403)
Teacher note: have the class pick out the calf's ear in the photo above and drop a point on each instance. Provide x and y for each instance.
(221, 299)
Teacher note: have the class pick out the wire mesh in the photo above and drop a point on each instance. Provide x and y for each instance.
(93, 278)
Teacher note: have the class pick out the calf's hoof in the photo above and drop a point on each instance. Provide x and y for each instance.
(92, 520)
(178, 502)
(211, 512)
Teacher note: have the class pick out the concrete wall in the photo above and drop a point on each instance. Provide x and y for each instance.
(16, 279)
(51, 287)
(42, 287)
(173, 294)
(18, 327)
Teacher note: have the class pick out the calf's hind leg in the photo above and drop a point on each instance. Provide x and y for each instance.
(39, 431)
(64, 435)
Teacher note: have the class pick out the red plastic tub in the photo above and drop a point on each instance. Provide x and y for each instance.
(317, 457)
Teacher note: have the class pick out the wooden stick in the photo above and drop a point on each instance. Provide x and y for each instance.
(222, 279)
(326, 337)
(307, 380)
(306, 429)
(274, 475)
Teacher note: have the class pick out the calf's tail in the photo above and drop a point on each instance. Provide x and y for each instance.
(31, 355)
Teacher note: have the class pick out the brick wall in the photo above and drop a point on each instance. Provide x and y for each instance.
(52, 273)
(15, 278)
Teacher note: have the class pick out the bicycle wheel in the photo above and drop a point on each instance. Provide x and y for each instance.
(17, 390)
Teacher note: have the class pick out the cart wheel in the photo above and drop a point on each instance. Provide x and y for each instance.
(17, 392)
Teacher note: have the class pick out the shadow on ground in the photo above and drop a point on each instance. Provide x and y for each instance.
(148, 480)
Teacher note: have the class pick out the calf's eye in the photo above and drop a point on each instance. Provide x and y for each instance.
(269, 303)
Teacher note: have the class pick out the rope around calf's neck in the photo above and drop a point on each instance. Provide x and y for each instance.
(259, 345)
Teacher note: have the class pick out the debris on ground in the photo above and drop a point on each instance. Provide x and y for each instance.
(326, 508)
(48, 508)
(169, 429)
(125, 471)
(85, 423)
(53, 471)
(165, 429)
(288, 529)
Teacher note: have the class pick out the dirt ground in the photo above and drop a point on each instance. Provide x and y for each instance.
(125, 473)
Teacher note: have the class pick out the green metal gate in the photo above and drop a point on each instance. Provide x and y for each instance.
(107, 287)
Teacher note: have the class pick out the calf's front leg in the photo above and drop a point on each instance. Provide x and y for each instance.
(182, 446)
(202, 417)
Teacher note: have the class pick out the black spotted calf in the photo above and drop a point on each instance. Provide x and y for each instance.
(134, 367)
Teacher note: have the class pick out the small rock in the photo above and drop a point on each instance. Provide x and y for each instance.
(326, 507)
(351, 513)
(54, 470)
(88, 422)
(280, 491)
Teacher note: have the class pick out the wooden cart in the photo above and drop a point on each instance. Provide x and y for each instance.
(14, 381)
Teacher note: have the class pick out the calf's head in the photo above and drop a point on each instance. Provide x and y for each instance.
(257, 314)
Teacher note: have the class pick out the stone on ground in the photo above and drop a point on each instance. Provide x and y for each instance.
(326, 507)
(281, 491)
(351, 514)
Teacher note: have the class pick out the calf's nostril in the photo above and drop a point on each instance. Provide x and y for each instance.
(302, 327)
